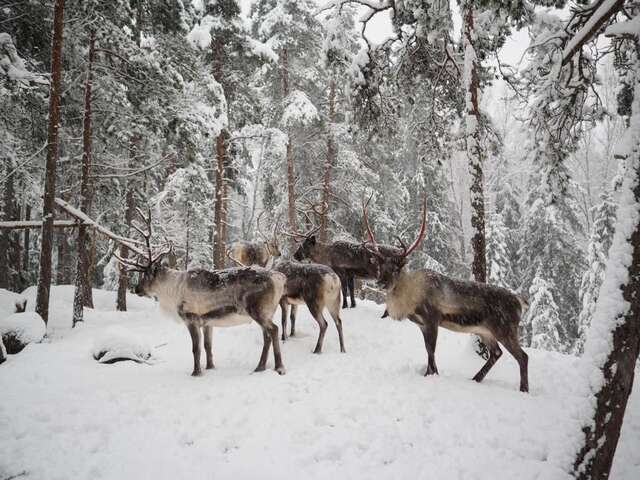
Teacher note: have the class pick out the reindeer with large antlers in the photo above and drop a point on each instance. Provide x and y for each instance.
(205, 299)
(432, 300)
(256, 253)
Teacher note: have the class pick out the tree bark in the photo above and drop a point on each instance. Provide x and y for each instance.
(474, 148)
(331, 158)
(82, 296)
(123, 279)
(291, 193)
(48, 214)
(219, 208)
(6, 214)
(27, 245)
(601, 434)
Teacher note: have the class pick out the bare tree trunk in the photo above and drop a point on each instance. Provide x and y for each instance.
(82, 296)
(26, 246)
(291, 193)
(331, 155)
(602, 432)
(218, 211)
(474, 148)
(123, 279)
(6, 214)
(48, 214)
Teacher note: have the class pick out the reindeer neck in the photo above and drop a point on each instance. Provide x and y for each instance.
(404, 294)
(169, 288)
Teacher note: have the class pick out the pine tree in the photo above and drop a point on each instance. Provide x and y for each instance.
(499, 270)
(604, 220)
(544, 317)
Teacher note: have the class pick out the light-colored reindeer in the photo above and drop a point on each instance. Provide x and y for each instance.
(261, 253)
(432, 300)
(205, 299)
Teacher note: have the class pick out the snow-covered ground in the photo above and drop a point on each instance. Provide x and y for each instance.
(365, 414)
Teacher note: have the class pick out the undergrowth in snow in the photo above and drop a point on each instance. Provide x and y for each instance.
(368, 413)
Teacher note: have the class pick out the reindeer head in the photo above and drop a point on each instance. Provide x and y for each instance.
(147, 264)
(388, 267)
(305, 250)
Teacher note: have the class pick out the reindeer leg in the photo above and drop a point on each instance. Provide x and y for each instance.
(334, 310)
(294, 312)
(352, 289)
(429, 329)
(277, 355)
(194, 330)
(208, 329)
(344, 286)
(283, 309)
(513, 346)
(266, 336)
(316, 313)
(494, 354)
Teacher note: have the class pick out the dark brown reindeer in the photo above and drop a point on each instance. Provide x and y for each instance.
(261, 253)
(349, 260)
(205, 299)
(432, 300)
(318, 287)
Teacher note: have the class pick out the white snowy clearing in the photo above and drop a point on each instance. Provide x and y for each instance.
(366, 414)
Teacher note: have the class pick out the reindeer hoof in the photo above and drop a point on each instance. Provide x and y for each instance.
(281, 370)
(211, 367)
(317, 351)
(260, 368)
(524, 388)
(196, 373)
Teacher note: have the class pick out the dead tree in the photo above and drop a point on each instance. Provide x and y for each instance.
(48, 214)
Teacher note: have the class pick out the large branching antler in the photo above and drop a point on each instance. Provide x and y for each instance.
(145, 231)
(405, 250)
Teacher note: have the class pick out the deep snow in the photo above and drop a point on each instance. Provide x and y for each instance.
(368, 413)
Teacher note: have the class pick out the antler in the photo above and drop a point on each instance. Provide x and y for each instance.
(423, 227)
(372, 239)
(406, 251)
(299, 237)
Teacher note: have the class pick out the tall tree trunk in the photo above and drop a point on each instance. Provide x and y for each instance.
(123, 278)
(602, 432)
(27, 245)
(6, 214)
(474, 148)
(471, 88)
(82, 295)
(219, 210)
(220, 207)
(48, 213)
(291, 193)
(331, 158)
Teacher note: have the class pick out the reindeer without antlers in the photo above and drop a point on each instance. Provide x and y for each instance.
(318, 287)
(432, 300)
(205, 299)
(256, 253)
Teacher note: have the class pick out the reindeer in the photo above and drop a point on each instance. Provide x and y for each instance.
(318, 287)
(432, 300)
(205, 299)
(348, 259)
(262, 253)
